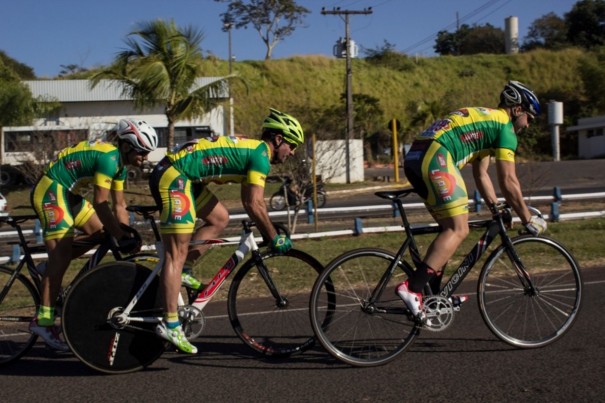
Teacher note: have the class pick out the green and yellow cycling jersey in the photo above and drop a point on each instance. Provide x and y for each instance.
(474, 132)
(88, 162)
(224, 159)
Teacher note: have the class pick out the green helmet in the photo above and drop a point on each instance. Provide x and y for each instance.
(285, 124)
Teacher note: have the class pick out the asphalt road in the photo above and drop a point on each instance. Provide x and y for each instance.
(464, 363)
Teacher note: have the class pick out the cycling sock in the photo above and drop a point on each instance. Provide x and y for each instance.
(435, 280)
(420, 277)
(46, 315)
(172, 320)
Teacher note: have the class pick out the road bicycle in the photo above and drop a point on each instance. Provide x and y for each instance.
(20, 294)
(110, 315)
(296, 198)
(529, 292)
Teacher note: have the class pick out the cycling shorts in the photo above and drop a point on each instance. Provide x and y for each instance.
(431, 170)
(178, 197)
(59, 210)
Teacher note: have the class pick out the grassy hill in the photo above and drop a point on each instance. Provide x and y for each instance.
(307, 84)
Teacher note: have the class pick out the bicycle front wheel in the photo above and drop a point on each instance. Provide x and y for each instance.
(18, 304)
(355, 313)
(277, 202)
(274, 325)
(537, 313)
(89, 319)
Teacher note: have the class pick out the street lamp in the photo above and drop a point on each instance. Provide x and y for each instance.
(228, 26)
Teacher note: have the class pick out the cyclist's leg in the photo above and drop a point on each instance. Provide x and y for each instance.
(87, 221)
(215, 219)
(215, 216)
(50, 200)
(444, 192)
(172, 191)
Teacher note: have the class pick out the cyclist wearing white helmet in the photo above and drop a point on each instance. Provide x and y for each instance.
(433, 167)
(179, 186)
(57, 201)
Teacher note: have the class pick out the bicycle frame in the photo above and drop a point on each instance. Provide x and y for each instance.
(494, 227)
(246, 244)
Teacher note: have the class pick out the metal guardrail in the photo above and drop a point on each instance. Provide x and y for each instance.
(357, 229)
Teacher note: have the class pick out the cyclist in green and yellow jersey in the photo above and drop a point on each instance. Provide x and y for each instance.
(433, 163)
(61, 208)
(178, 185)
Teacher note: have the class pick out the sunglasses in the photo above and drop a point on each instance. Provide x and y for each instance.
(142, 153)
(292, 145)
(530, 117)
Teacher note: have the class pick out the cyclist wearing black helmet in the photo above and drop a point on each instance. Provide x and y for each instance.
(179, 186)
(57, 202)
(468, 135)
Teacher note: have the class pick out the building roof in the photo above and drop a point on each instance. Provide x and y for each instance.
(596, 122)
(81, 91)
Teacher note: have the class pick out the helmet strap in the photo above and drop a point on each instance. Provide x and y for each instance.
(275, 148)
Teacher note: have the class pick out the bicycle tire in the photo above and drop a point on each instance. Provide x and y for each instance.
(519, 317)
(322, 198)
(88, 331)
(258, 319)
(277, 202)
(17, 309)
(351, 330)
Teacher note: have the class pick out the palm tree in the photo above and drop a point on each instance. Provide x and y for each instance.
(162, 66)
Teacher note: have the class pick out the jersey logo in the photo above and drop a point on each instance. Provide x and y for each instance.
(54, 215)
(179, 205)
(215, 160)
(471, 136)
(444, 183)
(462, 112)
(442, 124)
(73, 164)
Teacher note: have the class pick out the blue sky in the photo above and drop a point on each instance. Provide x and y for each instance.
(46, 34)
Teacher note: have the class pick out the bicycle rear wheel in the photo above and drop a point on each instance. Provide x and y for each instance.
(95, 336)
(274, 327)
(18, 304)
(350, 326)
(521, 316)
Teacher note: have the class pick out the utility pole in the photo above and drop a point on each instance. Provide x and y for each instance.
(349, 75)
(228, 26)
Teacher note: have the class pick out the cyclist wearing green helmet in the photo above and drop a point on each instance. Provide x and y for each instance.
(178, 184)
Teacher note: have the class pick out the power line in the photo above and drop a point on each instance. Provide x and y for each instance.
(453, 24)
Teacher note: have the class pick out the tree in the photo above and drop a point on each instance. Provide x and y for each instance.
(274, 20)
(23, 71)
(592, 72)
(70, 69)
(586, 23)
(469, 40)
(548, 32)
(161, 66)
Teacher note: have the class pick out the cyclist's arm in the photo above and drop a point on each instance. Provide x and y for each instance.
(253, 199)
(119, 206)
(483, 181)
(511, 189)
(101, 205)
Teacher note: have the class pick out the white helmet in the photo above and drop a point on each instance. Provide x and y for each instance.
(138, 134)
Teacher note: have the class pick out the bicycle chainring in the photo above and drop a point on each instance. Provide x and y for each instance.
(439, 313)
(192, 320)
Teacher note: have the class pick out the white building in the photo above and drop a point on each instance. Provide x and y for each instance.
(591, 137)
(86, 112)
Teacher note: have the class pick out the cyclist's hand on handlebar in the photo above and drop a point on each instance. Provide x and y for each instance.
(130, 241)
(536, 225)
(281, 243)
